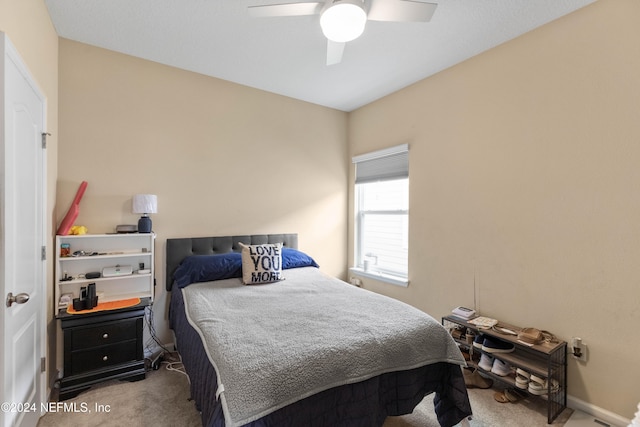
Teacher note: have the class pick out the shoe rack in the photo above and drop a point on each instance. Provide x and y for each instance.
(547, 360)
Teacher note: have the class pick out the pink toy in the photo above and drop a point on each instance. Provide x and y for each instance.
(73, 212)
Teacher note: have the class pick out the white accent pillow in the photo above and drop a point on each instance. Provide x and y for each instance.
(261, 263)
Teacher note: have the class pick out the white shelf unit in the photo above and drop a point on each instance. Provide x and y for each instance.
(108, 250)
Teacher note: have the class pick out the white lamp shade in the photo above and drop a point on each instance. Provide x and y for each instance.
(145, 204)
(343, 21)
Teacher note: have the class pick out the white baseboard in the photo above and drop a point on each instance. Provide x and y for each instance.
(608, 417)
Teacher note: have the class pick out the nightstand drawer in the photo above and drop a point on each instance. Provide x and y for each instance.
(103, 334)
(102, 357)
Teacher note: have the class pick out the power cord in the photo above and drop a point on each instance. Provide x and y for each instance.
(170, 365)
(151, 346)
(176, 366)
(152, 330)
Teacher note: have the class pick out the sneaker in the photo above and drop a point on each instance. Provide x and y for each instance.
(501, 368)
(492, 345)
(477, 341)
(486, 362)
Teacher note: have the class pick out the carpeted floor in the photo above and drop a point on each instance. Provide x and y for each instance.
(487, 412)
(162, 399)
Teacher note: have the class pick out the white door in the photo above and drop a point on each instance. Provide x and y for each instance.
(22, 230)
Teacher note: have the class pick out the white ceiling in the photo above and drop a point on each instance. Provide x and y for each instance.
(286, 55)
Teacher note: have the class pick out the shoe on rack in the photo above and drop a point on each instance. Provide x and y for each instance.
(492, 345)
(477, 341)
(501, 368)
(486, 362)
(541, 386)
(522, 378)
(475, 380)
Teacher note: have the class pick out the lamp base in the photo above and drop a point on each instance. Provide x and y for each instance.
(144, 224)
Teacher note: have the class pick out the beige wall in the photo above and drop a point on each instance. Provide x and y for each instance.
(222, 158)
(27, 24)
(524, 165)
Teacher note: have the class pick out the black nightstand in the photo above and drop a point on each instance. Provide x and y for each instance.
(102, 346)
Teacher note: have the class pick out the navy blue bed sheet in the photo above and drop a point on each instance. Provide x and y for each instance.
(363, 404)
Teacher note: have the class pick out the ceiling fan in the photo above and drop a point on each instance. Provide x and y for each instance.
(344, 20)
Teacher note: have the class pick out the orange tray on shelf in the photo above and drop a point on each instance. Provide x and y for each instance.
(103, 306)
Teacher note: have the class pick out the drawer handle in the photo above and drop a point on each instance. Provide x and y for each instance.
(105, 358)
(105, 336)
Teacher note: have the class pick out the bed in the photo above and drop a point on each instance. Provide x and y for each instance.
(305, 350)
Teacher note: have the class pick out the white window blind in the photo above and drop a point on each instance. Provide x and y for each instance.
(391, 163)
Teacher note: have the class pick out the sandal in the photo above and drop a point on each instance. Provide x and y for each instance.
(522, 379)
(501, 397)
(514, 395)
(541, 386)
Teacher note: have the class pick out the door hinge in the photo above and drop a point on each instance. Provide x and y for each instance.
(43, 364)
(44, 253)
(44, 139)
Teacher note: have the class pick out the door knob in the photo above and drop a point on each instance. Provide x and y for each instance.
(18, 299)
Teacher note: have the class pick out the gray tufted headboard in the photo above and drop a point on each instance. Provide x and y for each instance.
(179, 249)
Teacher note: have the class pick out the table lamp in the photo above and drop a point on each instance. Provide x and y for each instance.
(145, 204)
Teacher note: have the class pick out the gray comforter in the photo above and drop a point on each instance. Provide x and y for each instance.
(274, 344)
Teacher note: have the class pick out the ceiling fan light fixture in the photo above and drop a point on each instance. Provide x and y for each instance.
(343, 21)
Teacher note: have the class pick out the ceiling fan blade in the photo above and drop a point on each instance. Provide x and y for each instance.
(401, 10)
(334, 52)
(285, 9)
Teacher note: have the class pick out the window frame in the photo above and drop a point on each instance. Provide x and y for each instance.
(386, 275)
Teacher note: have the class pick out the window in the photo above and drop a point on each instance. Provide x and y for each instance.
(382, 214)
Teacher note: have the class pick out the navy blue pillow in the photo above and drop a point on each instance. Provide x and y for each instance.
(205, 268)
(293, 258)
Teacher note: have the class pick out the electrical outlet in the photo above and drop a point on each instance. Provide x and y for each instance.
(578, 349)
